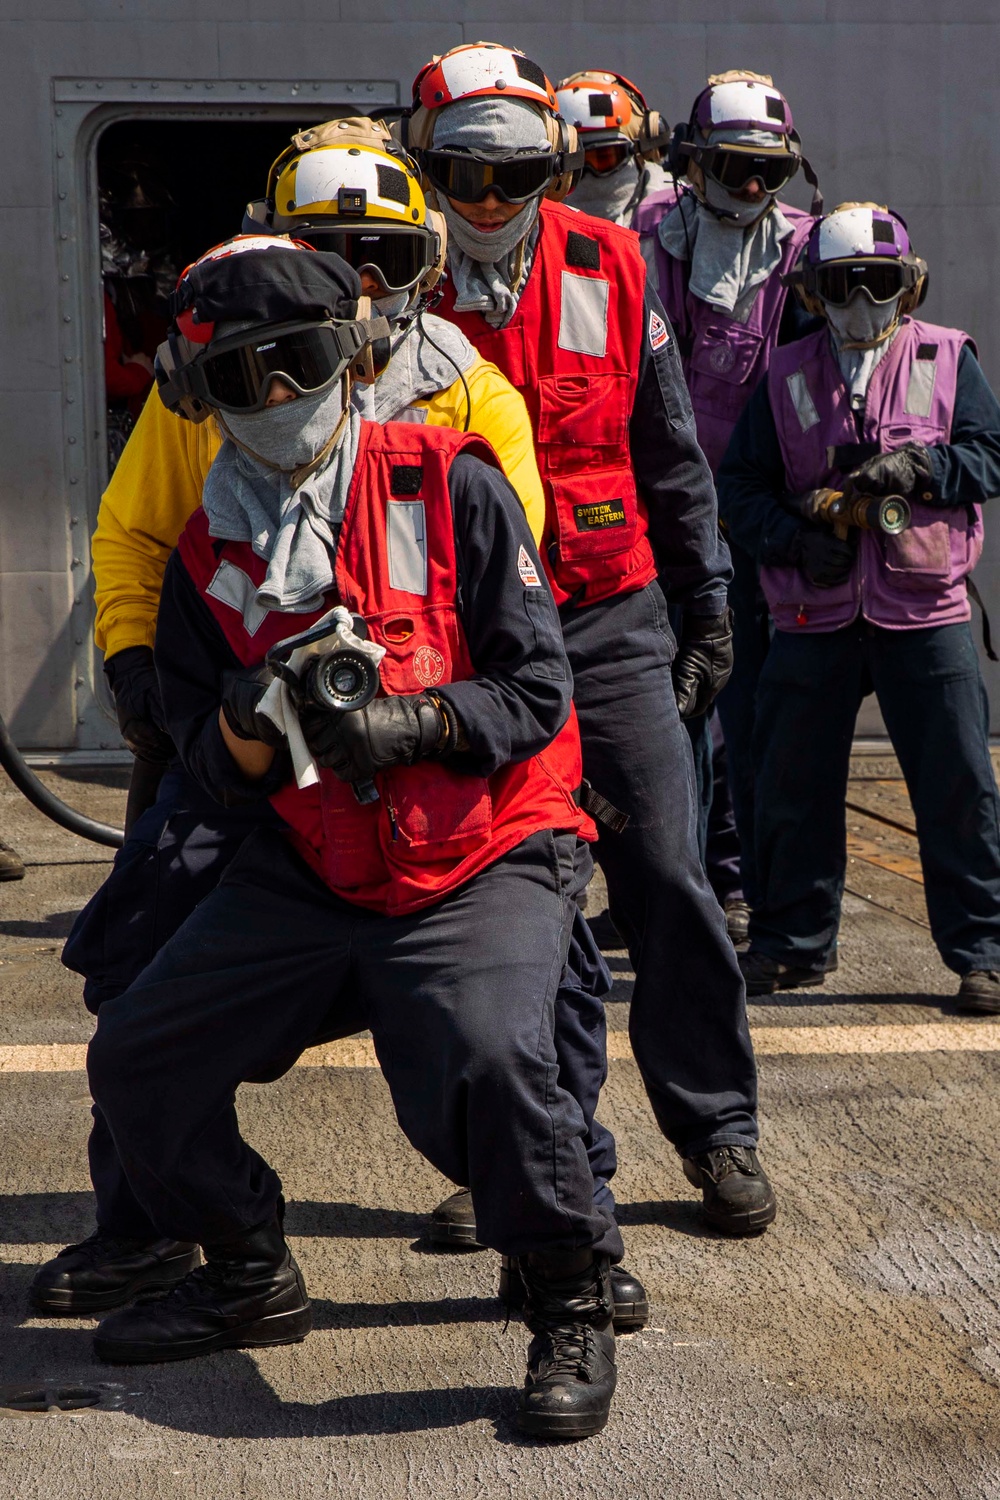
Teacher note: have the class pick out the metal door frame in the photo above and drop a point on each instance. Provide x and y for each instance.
(83, 108)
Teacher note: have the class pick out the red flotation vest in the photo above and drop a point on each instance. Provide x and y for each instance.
(433, 828)
(572, 349)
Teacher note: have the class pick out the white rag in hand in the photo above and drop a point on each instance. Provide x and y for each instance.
(278, 704)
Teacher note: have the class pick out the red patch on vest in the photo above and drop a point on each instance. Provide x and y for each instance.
(428, 666)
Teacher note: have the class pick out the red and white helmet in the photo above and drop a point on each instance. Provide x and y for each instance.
(486, 70)
(478, 69)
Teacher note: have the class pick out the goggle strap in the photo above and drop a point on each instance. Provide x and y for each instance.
(809, 173)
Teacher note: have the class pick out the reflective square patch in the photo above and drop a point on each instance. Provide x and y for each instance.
(583, 314)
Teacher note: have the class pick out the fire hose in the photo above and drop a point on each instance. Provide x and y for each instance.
(889, 514)
(47, 802)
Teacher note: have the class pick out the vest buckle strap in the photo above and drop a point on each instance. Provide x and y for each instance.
(599, 808)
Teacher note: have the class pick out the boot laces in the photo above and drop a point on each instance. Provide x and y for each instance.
(199, 1285)
(97, 1247)
(562, 1315)
(566, 1349)
(726, 1159)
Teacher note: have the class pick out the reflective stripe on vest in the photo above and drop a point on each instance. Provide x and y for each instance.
(433, 828)
(899, 582)
(572, 349)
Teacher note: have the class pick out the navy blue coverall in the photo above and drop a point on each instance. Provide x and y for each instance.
(929, 688)
(460, 996)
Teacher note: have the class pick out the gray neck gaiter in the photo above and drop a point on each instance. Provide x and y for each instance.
(858, 323)
(610, 197)
(731, 257)
(489, 269)
(293, 529)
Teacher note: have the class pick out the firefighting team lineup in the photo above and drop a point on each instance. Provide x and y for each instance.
(412, 592)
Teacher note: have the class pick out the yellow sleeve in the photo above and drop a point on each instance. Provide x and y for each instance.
(501, 417)
(156, 486)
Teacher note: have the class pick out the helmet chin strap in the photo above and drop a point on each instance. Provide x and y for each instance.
(878, 339)
(301, 474)
(725, 215)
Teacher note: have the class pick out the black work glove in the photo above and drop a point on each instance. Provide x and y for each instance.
(901, 472)
(703, 662)
(242, 691)
(809, 505)
(389, 732)
(824, 558)
(135, 688)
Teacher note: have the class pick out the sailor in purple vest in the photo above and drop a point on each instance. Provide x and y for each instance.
(896, 414)
(717, 249)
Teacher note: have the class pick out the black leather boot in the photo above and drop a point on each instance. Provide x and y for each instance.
(105, 1271)
(11, 863)
(631, 1305)
(571, 1359)
(764, 975)
(736, 1195)
(249, 1295)
(453, 1223)
(979, 993)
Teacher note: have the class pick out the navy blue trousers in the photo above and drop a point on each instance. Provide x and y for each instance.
(736, 705)
(930, 690)
(722, 844)
(173, 859)
(460, 997)
(688, 1015)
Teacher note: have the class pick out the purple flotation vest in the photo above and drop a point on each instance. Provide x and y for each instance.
(724, 360)
(899, 582)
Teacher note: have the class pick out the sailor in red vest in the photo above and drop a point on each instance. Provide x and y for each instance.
(428, 838)
(855, 477)
(717, 249)
(559, 301)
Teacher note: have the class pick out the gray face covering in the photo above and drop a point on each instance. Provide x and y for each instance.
(293, 528)
(489, 269)
(861, 322)
(393, 305)
(291, 435)
(608, 197)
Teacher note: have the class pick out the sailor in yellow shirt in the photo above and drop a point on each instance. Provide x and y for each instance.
(347, 187)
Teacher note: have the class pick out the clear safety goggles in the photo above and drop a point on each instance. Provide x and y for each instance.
(735, 167)
(236, 374)
(398, 256)
(469, 178)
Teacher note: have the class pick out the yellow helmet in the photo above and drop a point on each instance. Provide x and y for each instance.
(360, 198)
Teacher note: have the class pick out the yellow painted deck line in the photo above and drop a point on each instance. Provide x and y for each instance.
(769, 1041)
(838, 1041)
